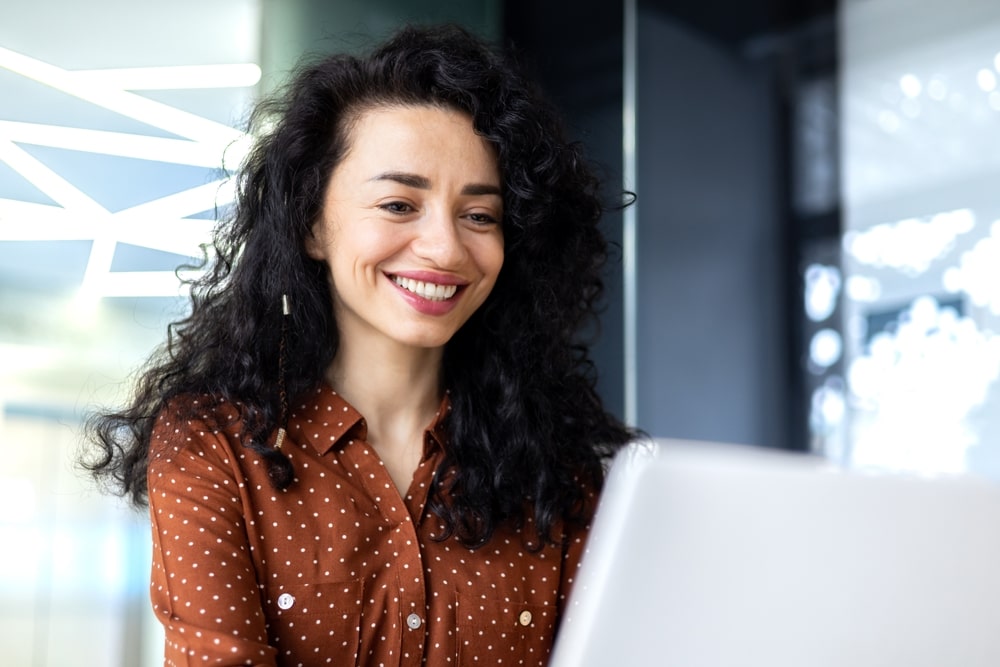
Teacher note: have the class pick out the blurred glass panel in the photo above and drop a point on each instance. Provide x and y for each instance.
(920, 162)
(115, 120)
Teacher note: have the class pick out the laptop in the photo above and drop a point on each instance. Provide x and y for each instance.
(712, 555)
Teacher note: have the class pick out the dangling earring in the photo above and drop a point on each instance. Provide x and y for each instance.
(282, 394)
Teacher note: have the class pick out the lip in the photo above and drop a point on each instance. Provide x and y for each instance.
(419, 303)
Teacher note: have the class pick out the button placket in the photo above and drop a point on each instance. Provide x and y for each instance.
(411, 590)
(407, 565)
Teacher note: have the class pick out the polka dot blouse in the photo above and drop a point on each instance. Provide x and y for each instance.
(340, 569)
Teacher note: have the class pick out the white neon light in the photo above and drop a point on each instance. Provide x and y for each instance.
(48, 223)
(188, 202)
(102, 254)
(180, 237)
(48, 181)
(119, 144)
(181, 77)
(157, 224)
(25, 221)
(128, 104)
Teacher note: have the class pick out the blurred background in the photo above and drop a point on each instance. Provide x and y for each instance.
(813, 262)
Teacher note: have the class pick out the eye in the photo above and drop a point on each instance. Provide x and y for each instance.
(397, 207)
(482, 218)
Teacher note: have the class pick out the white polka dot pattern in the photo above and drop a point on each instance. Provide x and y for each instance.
(339, 569)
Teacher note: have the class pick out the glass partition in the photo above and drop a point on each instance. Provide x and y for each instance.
(920, 129)
(114, 122)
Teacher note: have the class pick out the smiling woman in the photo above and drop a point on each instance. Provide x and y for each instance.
(376, 439)
(410, 231)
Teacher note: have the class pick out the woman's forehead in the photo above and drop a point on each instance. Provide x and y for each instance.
(418, 139)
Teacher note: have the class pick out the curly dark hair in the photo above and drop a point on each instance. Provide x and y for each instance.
(527, 430)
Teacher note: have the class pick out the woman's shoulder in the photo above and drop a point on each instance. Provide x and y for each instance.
(194, 424)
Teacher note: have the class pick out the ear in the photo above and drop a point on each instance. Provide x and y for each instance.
(315, 242)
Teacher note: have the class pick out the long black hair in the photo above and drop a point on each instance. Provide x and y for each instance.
(527, 431)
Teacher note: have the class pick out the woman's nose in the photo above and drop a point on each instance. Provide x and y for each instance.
(439, 240)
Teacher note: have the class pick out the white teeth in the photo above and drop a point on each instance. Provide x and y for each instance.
(429, 291)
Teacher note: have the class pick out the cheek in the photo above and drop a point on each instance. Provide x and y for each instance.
(490, 256)
(495, 269)
(360, 255)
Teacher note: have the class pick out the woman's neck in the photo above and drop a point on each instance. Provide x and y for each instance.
(381, 374)
(398, 391)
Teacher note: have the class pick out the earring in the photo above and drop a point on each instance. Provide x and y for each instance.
(282, 393)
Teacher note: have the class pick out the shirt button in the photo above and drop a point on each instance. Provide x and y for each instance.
(413, 621)
(285, 601)
(524, 618)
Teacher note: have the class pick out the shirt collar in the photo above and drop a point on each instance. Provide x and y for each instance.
(323, 418)
(436, 438)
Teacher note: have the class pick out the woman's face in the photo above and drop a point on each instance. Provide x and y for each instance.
(410, 226)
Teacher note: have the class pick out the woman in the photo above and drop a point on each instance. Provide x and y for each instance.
(375, 440)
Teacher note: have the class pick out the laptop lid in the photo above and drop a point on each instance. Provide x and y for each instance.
(709, 555)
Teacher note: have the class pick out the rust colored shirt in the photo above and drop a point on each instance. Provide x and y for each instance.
(340, 569)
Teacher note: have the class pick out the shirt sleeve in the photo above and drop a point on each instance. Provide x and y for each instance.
(203, 585)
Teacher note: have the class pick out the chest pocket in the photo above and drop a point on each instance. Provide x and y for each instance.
(311, 623)
(492, 632)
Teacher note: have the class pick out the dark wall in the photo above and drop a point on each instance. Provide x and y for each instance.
(711, 331)
(719, 248)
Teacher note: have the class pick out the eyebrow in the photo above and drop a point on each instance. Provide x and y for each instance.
(423, 183)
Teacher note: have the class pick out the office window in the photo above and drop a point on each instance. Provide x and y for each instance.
(115, 119)
(921, 159)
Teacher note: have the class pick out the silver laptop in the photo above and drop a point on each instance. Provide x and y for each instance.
(714, 555)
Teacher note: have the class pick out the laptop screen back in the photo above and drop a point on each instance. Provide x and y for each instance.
(711, 555)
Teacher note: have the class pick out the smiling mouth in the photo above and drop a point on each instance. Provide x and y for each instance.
(429, 291)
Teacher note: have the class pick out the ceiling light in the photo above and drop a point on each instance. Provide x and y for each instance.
(910, 85)
(986, 80)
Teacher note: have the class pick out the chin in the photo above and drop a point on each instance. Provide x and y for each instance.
(431, 344)
(425, 341)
